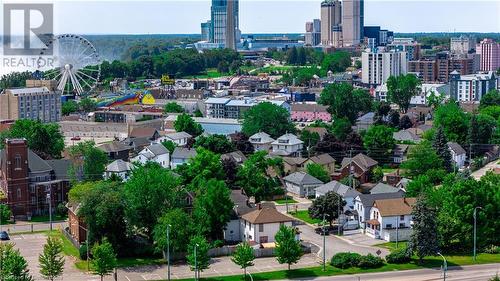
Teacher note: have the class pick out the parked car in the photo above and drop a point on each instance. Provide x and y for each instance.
(4, 236)
(328, 230)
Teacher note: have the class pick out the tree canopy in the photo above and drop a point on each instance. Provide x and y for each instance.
(216, 143)
(88, 162)
(184, 123)
(400, 90)
(344, 101)
(379, 142)
(103, 259)
(317, 171)
(287, 249)
(328, 205)
(269, 118)
(453, 120)
(173, 107)
(422, 158)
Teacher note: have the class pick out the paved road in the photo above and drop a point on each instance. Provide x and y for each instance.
(488, 167)
(465, 273)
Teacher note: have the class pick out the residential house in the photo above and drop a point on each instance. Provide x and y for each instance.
(27, 181)
(154, 153)
(180, 138)
(262, 224)
(261, 141)
(364, 202)
(393, 178)
(237, 156)
(116, 150)
(399, 153)
(310, 112)
(287, 145)
(346, 192)
(458, 154)
(137, 144)
(391, 219)
(364, 122)
(320, 130)
(384, 188)
(360, 165)
(120, 168)
(406, 136)
(180, 156)
(293, 164)
(301, 184)
(325, 160)
(403, 183)
(144, 132)
(234, 231)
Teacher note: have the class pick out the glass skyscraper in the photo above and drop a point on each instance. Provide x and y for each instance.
(219, 19)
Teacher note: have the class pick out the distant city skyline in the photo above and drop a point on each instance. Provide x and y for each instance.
(278, 16)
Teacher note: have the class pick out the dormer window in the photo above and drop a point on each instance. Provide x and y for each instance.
(283, 141)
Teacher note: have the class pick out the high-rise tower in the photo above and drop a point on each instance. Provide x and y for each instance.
(352, 22)
(230, 26)
(331, 18)
(219, 20)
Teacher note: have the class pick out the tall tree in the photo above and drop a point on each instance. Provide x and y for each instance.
(287, 249)
(424, 237)
(473, 135)
(269, 118)
(492, 98)
(241, 143)
(179, 223)
(379, 142)
(103, 259)
(204, 166)
(440, 144)
(400, 90)
(230, 169)
(173, 107)
(453, 120)
(421, 158)
(51, 259)
(184, 123)
(317, 171)
(213, 207)
(88, 162)
(197, 256)
(328, 205)
(341, 128)
(149, 193)
(243, 256)
(405, 122)
(345, 102)
(216, 143)
(14, 266)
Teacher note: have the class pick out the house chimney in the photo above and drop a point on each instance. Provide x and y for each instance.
(259, 205)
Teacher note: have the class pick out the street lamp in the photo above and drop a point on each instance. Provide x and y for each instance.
(324, 244)
(445, 266)
(475, 219)
(168, 251)
(50, 210)
(195, 263)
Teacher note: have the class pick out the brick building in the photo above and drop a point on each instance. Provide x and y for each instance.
(27, 181)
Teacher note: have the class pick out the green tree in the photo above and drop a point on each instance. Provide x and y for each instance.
(241, 143)
(453, 120)
(87, 105)
(405, 122)
(243, 256)
(328, 205)
(379, 142)
(400, 90)
(102, 208)
(394, 119)
(345, 102)
(440, 145)
(197, 256)
(5, 213)
(341, 128)
(179, 222)
(69, 107)
(173, 107)
(216, 143)
(492, 98)
(486, 125)
(317, 171)
(336, 62)
(169, 145)
(184, 123)
(310, 140)
(51, 259)
(88, 162)
(213, 208)
(377, 174)
(421, 158)
(103, 259)
(424, 237)
(197, 113)
(269, 118)
(14, 266)
(150, 192)
(287, 249)
(204, 166)
(473, 135)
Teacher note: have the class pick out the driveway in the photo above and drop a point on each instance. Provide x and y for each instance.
(489, 167)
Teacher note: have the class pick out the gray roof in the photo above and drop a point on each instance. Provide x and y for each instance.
(241, 203)
(37, 164)
(290, 139)
(237, 156)
(118, 166)
(383, 188)
(456, 148)
(261, 137)
(302, 178)
(183, 153)
(339, 188)
(114, 146)
(157, 149)
(405, 135)
(368, 199)
(60, 167)
(178, 136)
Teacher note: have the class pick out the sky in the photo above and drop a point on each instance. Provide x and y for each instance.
(259, 16)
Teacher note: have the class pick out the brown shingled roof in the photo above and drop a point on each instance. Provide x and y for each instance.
(266, 215)
(395, 206)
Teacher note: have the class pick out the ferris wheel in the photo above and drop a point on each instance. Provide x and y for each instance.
(75, 64)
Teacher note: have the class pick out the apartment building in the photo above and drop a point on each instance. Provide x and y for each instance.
(38, 103)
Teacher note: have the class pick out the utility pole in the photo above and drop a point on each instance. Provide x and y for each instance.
(195, 264)
(168, 252)
(324, 243)
(397, 232)
(50, 210)
(475, 229)
(338, 213)
(445, 266)
(88, 250)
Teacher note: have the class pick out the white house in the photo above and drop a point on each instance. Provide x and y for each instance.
(181, 155)
(364, 202)
(458, 154)
(180, 138)
(242, 205)
(119, 168)
(262, 224)
(391, 219)
(261, 141)
(347, 193)
(301, 184)
(154, 153)
(287, 145)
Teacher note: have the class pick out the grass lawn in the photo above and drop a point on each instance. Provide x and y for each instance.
(46, 218)
(303, 215)
(211, 73)
(388, 170)
(284, 201)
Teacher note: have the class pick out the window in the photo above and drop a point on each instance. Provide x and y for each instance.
(261, 227)
(402, 218)
(18, 193)
(18, 161)
(388, 225)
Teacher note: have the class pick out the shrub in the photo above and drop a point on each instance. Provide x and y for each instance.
(492, 249)
(83, 252)
(217, 243)
(61, 209)
(345, 260)
(399, 256)
(370, 261)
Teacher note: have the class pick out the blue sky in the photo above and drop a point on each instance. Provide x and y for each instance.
(259, 16)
